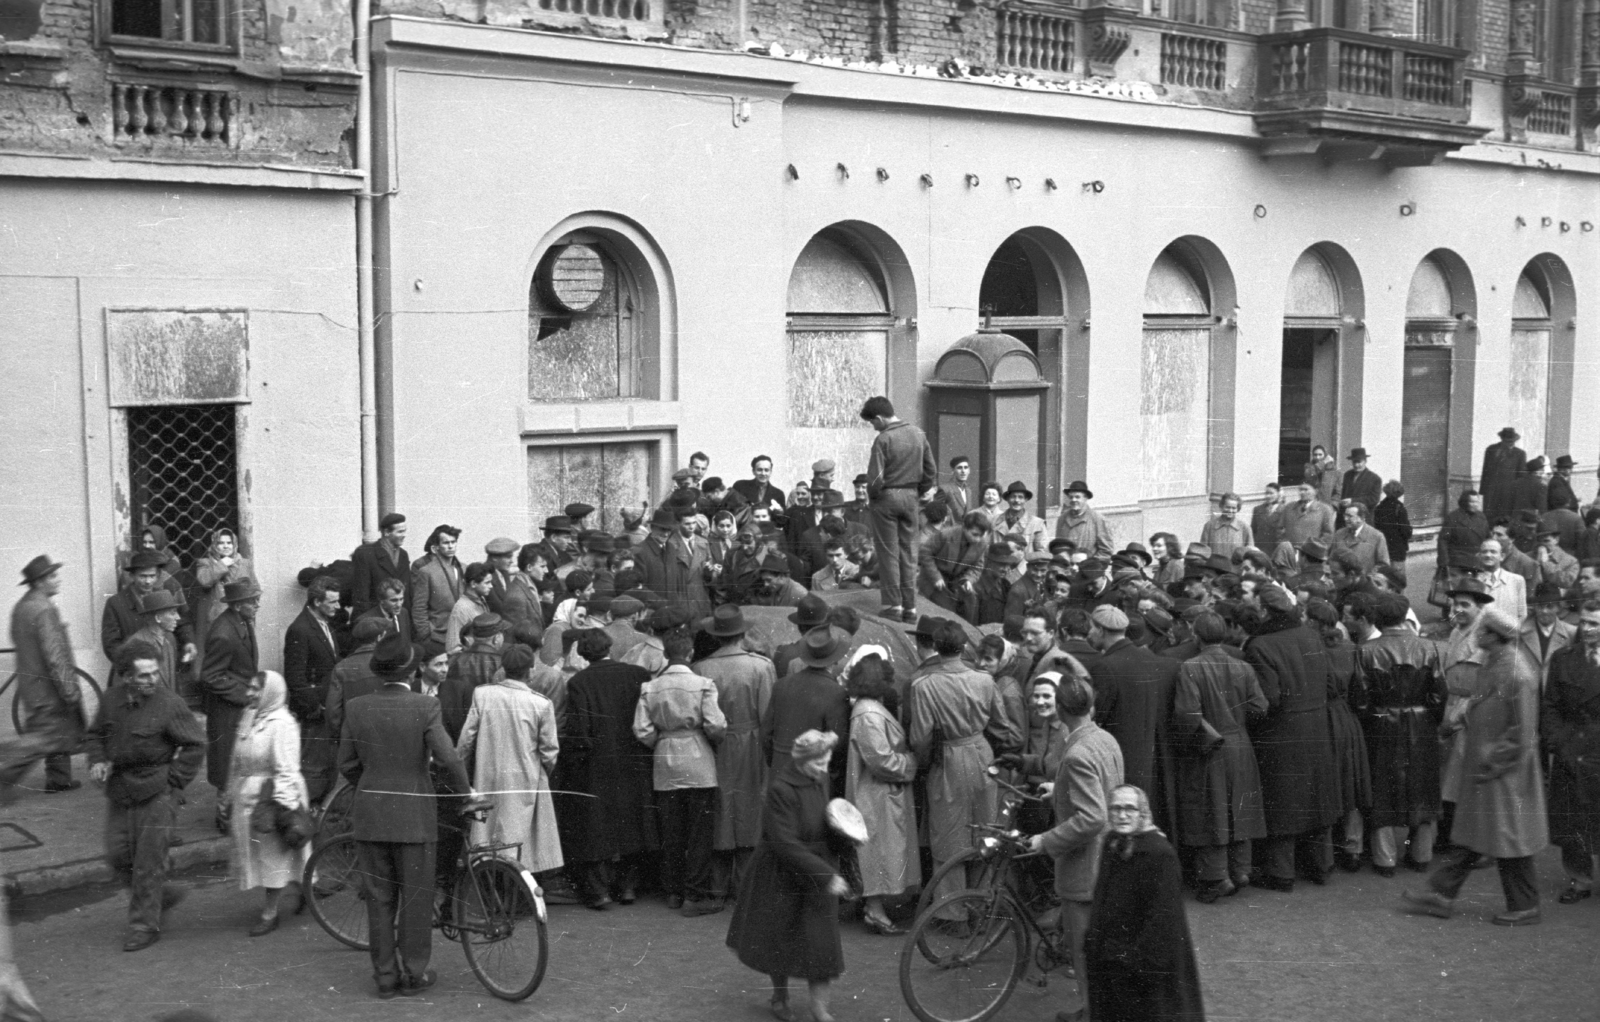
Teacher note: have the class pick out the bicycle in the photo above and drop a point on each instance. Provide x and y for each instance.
(496, 910)
(965, 956)
(89, 692)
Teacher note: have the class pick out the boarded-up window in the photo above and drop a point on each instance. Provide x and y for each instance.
(1175, 380)
(839, 324)
(583, 327)
(609, 476)
(1425, 431)
(1530, 364)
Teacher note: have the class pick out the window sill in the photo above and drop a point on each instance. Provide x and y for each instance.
(38, 49)
(174, 57)
(598, 416)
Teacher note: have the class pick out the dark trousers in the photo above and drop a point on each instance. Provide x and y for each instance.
(688, 828)
(398, 881)
(50, 738)
(1316, 847)
(1577, 861)
(730, 867)
(1224, 862)
(892, 518)
(1517, 879)
(137, 838)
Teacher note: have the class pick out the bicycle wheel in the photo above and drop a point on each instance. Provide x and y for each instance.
(334, 819)
(987, 876)
(502, 925)
(88, 693)
(332, 889)
(977, 959)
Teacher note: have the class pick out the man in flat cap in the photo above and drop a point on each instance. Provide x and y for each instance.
(48, 684)
(822, 490)
(478, 580)
(371, 563)
(500, 555)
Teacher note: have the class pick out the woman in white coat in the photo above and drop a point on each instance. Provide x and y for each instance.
(878, 782)
(267, 748)
(509, 745)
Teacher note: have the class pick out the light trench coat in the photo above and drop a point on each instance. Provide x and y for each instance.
(509, 741)
(878, 782)
(266, 747)
(1500, 809)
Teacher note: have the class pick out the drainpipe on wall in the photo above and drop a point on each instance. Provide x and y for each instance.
(364, 275)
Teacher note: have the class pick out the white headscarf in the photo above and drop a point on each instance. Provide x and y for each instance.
(274, 702)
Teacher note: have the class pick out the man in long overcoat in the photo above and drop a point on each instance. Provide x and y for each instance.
(1503, 463)
(1570, 725)
(673, 566)
(964, 706)
(371, 563)
(1399, 698)
(232, 659)
(1219, 786)
(1294, 748)
(810, 699)
(47, 684)
(1133, 701)
(311, 650)
(744, 683)
(1360, 483)
(608, 818)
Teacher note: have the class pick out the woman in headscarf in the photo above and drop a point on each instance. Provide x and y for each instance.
(786, 922)
(224, 562)
(878, 782)
(266, 751)
(1140, 959)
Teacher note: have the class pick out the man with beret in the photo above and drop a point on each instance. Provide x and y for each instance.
(161, 611)
(1532, 491)
(900, 469)
(1085, 527)
(1133, 698)
(372, 563)
(47, 681)
(121, 619)
(354, 676)
(312, 648)
(436, 585)
(478, 581)
(231, 662)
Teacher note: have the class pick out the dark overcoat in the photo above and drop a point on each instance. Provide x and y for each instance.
(308, 661)
(1219, 789)
(369, 566)
(1299, 782)
(1349, 743)
(803, 701)
(1399, 697)
(1133, 690)
(785, 922)
(231, 660)
(1570, 728)
(388, 740)
(604, 800)
(1137, 948)
(1502, 465)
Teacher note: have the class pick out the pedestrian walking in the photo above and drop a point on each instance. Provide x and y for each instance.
(1570, 724)
(145, 747)
(786, 922)
(899, 469)
(384, 751)
(47, 684)
(678, 717)
(878, 783)
(232, 659)
(1140, 959)
(266, 767)
(1500, 813)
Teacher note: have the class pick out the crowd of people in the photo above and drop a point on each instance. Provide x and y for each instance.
(1267, 692)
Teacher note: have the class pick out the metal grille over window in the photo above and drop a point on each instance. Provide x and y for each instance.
(183, 466)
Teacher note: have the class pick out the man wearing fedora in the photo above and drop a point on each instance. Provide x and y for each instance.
(1360, 483)
(744, 682)
(1357, 548)
(560, 542)
(372, 563)
(1560, 493)
(231, 660)
(387, 744)
(121, 617)
(1544, 633)
(672, 567)
(1503, 464)
(161, 611)
(1225, 533)
(1085, 527)
(1532, 492)
(1017, 520)
(900, 469)
(46, 682)
(1459, 659)
(810, 699)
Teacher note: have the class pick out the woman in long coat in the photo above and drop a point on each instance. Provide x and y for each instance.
(266, 749)
(1219, 787)
(224, 562)
(1500, 810)
(786, 922)
(1140, 959)
(878, 781)
(1349, 742)
(509, 741)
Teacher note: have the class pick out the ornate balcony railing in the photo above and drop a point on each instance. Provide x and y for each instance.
(1042, 42)
(1194, 62)
(188, 113)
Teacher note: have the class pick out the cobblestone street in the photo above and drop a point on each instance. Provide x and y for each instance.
(1343, 952)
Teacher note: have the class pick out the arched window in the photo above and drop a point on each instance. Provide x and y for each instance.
(1308, 395)
(840, 320)
(1175, 378)
(1530, 359)
(592, 331)
(1426, 393)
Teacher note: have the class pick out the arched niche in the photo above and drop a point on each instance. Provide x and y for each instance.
(1319, 402)
(850, 308)
(1543, 310)
(1441, 342)
(1035, 289)
(1186, 379)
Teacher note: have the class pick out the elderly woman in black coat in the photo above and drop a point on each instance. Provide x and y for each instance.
(786, 922)
(1140, 960)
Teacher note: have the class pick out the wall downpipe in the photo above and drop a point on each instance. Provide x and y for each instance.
(364, 275)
